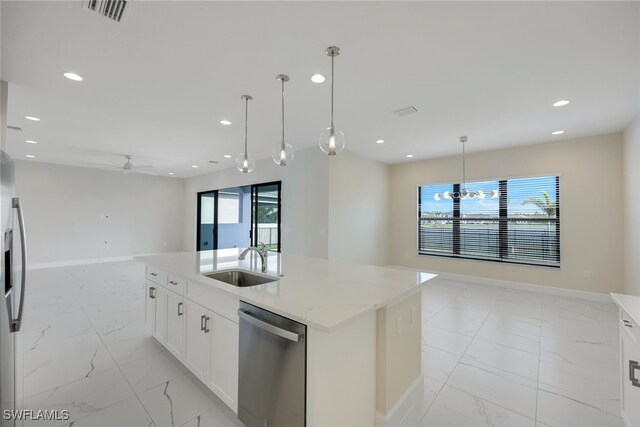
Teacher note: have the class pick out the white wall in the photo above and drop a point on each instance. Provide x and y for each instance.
(305, 204)
(65, 209)
(591, 227)
(358, 209)
(631, 170)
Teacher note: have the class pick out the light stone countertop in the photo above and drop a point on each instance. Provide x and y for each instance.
(323, 294)
(630, 304)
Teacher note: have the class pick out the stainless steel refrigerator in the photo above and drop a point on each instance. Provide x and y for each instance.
(14, 274)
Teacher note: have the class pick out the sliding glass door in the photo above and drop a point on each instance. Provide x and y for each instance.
(237, 217)
(207, 233)
(265, 214)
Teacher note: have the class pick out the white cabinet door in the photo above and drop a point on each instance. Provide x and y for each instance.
(197, 339)
(150, 306)
(175, 323)
(161, 314)
(224, 359)
(630, 399)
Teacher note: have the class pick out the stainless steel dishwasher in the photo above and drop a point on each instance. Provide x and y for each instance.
(272, 371)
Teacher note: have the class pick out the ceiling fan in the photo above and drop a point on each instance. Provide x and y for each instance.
(127, 167)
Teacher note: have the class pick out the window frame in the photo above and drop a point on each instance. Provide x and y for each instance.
(502, 221)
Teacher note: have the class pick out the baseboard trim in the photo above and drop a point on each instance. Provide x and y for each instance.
(552, 290)
(43, 265)
(401, 409)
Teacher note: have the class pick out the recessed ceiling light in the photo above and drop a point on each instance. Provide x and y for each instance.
(171, 173)
(225, 122)
(227, 156)
(194, 166)
(409, 156)
(31, 156)
(380, 141)
(561, 103)
(73, 76)
(29, 141)
(317, 78)
(35, 119)
(558, 132)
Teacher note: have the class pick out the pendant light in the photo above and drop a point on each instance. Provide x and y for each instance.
(244, 162)
(283, 153)
(332, 140)
(464, 193)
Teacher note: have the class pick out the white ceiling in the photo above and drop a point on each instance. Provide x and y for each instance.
(157, 84)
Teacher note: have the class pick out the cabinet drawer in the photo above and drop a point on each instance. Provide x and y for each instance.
(214, 300)
(627, 324)
(176, 284)
(157, 276)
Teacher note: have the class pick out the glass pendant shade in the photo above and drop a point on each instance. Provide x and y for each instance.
(244, 163)
(332, 141)
(282, 155)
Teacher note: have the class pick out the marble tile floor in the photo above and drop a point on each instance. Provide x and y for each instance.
(490, 356)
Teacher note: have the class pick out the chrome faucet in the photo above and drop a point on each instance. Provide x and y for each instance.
(262, 250)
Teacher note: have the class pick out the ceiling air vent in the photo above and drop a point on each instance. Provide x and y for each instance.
(405, 111)
(112, 9)
(213, 161)
(16, 128)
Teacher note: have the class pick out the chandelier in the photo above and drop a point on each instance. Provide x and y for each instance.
(464, 193)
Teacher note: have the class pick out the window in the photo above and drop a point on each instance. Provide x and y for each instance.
(266, 202)
(514, 220)
(229, 206)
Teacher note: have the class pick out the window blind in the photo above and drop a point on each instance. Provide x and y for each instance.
(515, 220)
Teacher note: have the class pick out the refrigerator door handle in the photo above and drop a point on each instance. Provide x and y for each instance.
(17, 322)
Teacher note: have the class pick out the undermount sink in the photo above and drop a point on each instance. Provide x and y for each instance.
(240, 278)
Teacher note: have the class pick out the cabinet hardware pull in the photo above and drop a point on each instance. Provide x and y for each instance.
(173, 282)
(154, 274)
(179, 307)
(202, 322)
(152, 292)
(206, 324)
(633, 367)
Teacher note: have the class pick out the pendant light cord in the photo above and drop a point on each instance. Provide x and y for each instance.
(246, 121)
(333, 57)
(464, 168)
(283, 143)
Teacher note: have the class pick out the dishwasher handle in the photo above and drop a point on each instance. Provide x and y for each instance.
(269, 327)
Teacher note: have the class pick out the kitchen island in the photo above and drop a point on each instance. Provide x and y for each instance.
(363, 327)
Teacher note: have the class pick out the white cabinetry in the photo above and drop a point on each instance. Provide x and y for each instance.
(150, 306)
(203, 337)
(630, 370)
(175, 323)
(197, 339)
(155, 310)
(223, 370)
